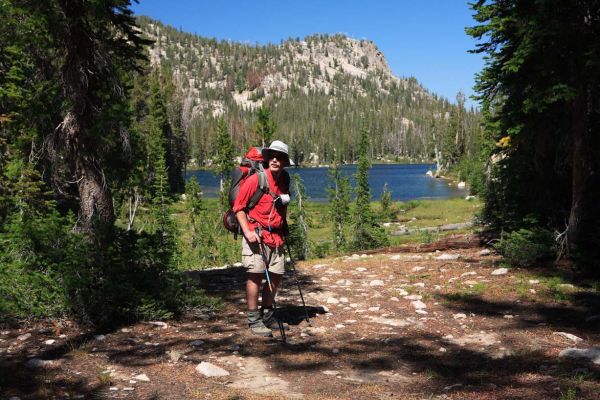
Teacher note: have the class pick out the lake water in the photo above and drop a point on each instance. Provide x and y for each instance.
(406, 182)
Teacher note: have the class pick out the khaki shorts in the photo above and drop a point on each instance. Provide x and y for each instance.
(254, 262)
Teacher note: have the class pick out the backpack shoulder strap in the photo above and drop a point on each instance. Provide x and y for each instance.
(262, 188)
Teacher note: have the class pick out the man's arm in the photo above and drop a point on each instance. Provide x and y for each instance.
(249, 234)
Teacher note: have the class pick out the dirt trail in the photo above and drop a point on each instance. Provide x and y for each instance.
(406, 325)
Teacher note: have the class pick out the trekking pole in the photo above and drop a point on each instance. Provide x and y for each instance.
(264, 257)
(295, 273)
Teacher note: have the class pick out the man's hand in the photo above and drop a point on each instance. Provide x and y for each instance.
(251, 236)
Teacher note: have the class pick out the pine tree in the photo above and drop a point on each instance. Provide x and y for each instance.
(224, 159)
(367, 233)
(540, 90)
(386, 202)
(264, 126)
(193, 202)
(339, 204)
(299, 229)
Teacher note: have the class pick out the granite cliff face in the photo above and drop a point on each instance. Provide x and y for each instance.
(321, 89)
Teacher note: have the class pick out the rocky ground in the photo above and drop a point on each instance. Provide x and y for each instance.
(416, 324)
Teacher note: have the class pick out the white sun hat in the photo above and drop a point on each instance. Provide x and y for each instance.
(278, 146)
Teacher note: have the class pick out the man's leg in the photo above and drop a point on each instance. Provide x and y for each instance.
(267, 295)
(252, 287)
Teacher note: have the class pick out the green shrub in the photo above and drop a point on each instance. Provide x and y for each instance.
(526, 246)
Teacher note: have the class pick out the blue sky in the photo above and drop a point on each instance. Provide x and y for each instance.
(424, 39)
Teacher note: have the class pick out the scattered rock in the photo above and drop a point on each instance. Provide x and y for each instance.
(210, 370)
(468, 273)
(418, 304)
(500, 271)
(485, 252)
(569, 336)
(373, 309)
(49, 342)
(23, 337)
(446, 257)
(238, 265)
(36, 363)
(396, 257)
(344, 300)
(197, 343)
(567, 286)
(459, 316)
(128, 389)
(125, 330)
(394, 299)
(335, 351)
(332, 300)
(414, 297)
(142, 378)
(174, 355)
(592, 354)
(442, 350)
(402, 292)
(392, 322)
(161, 324)
(533, 281)
(455, 386)
(361, 269)
(376, 282)
(419, 284)
(99, 338)
(330, 372)
(422, 312)
(417, 269)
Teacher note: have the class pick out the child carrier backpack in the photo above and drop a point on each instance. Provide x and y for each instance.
(251, 164)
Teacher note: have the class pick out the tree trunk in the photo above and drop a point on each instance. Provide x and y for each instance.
(95, 199)
(579, 172)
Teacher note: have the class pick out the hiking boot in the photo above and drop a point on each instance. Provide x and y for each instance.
(271, 321)
(257, 325)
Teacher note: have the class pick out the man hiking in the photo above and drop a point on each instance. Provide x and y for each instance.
(263, 229)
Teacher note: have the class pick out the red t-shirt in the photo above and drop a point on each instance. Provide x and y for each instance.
(265, 214)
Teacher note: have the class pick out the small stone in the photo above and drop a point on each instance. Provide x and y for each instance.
(500, 271)
(235, 347)
(361, 269)
(49, 342)
(344, 300)
(417, 269)
(485, 252)
(569, 336)
(197, 343)
(35, 363)
(592, 354)
(160, 324)
(469, 273)
(210, 370)
(508, 316)
(414, 297)
(23, 337)
(459, 316)
(442, 350)
(332, 300)
(128, 389)
(125, 330)
(533, 281)
(419, 284)
(142, 378)
(340, 326)
(452, 387)
(376, 282)
(418, 304)
(317, 266)
(331, 373)
(335, 351)
(422, 312)
(402, 292)
(394, 299)
(113, 388)
(373, 309)
(99, 338)
(447, 257)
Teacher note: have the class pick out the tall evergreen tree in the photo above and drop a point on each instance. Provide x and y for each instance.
(367, 233)
(540, 92)
(339, 193)
(264, 126)
(224, 159)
